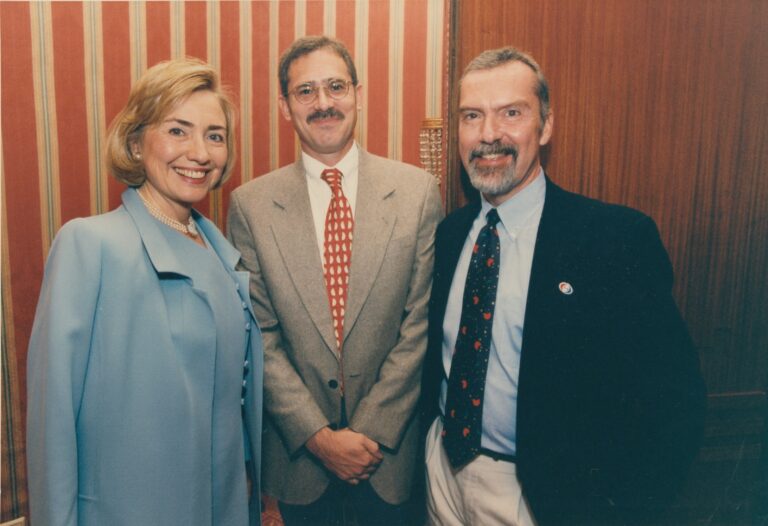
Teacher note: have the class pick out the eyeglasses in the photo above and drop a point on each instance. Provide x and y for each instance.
(307, 93)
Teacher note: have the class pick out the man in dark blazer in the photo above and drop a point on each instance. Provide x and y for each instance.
(590, 405)
(341, 384)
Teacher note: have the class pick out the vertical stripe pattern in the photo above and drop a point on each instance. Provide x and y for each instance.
(329, 22)
(435, 68)
(214, 58)
(94, 93)
(246, 83)
(45, 117)
(360, 54)
(138, 23)
(68, 68)
(395, 128)
(177, 29)
(14, 468)
(274, 86)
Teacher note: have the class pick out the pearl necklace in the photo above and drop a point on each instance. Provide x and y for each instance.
(190, 229)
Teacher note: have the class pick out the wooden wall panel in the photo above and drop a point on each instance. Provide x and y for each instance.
(661, 106)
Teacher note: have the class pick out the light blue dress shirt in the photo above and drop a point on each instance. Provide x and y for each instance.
(520, 216)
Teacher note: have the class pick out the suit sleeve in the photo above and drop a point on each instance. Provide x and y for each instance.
(57, 360)
(285, 394)
(386, 410)
(670, 403)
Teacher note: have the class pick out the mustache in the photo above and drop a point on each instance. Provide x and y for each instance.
(325, 114)
(494, 148)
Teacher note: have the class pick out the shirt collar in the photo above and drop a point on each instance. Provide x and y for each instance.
(521, 209)
(347, 165)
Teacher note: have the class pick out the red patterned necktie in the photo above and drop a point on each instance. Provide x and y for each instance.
(463, 422)
(337, 251)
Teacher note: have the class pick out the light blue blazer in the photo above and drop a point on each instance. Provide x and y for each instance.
(120, 379)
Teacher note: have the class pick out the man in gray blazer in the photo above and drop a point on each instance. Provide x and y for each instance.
(340, 249)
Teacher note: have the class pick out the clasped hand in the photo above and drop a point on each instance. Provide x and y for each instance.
(349, 455)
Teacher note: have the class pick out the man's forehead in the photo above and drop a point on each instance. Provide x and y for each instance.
(512, 80)
(317, 65)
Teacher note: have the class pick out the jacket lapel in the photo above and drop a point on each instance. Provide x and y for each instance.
(166, 261)
(375, 217)
(294, 232)
(556, 244)
(229, 255)
(452, 237)
(456, 239)
(163, 258)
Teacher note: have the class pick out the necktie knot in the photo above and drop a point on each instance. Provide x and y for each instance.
(492, 217)
(332, 176)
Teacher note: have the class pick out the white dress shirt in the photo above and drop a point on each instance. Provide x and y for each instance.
(520, 216)
(320, 192)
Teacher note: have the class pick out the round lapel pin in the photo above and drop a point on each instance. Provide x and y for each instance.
(565, 288)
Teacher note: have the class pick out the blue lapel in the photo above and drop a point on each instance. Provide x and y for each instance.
(229, 255)
(166, 260)
(163, 258)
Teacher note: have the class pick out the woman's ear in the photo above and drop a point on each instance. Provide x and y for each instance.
(135, 151)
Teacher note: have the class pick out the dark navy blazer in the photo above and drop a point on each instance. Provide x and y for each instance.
(611, 401)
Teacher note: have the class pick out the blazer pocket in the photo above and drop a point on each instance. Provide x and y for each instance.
(400, 247)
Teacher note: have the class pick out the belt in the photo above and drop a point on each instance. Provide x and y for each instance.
(488, 453)
(497, 456)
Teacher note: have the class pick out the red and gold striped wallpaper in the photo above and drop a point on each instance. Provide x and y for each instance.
(67, 68)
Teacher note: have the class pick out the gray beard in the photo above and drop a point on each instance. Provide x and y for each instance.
(491, 182)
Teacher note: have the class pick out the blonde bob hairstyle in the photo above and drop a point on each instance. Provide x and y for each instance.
(156, 93)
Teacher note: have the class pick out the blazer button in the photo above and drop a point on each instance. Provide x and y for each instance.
(333, 384)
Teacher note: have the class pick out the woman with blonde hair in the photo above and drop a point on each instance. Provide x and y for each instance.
(145, 361)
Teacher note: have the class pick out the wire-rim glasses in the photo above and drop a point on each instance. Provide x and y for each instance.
(307, 93)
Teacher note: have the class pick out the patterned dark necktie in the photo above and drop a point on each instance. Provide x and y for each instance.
(337, 251)
(466, 384)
